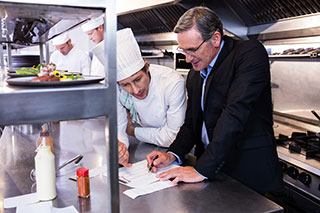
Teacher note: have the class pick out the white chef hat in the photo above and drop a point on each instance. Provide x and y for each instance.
(129, 59)
(60, 39)
(92, 23)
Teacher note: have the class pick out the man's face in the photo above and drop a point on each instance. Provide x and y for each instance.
(65, 48)
(137, 85)
(191, 40)
(96, 35)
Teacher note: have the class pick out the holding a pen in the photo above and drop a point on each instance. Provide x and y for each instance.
(158, 160)
(150, 168)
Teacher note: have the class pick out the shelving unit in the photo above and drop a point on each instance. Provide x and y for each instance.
(23, 105)
(309, 55)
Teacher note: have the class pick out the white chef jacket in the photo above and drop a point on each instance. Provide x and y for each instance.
(161, 113)
(97, 68)
(75, 61)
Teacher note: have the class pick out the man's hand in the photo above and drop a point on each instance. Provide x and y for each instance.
(130, 127)
(184, 173)
(163, 160)
(123, 154)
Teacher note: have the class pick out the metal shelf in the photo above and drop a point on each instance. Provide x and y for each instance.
(37, 105)
(309, 55)
(22, 105)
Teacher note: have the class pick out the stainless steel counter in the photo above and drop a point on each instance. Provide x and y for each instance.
(87, 137)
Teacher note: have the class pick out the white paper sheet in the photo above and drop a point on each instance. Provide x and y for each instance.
(12, 202)
(137, 175)
(135, 192)
(44, 207)
(40, 207)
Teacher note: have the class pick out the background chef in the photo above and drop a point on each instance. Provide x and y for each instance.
(155, 96)
(94, 28)
(68, 57)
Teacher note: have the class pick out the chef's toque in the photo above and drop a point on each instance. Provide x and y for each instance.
(129, 59)
(92, 23)
(60, 39)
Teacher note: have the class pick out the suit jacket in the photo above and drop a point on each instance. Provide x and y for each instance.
(238, 117)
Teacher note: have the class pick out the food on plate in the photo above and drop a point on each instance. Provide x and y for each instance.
(66, 76)
(47, 69)
(49, 73)
(29, 71)
(43, 78)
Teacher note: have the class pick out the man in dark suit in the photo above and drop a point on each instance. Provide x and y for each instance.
(229, 112)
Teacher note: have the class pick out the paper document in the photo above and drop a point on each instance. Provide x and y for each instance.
(133, 193)
(44, 207)
(137, 175)
(12, 202)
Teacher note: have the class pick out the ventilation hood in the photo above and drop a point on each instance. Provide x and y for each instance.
(257, 19)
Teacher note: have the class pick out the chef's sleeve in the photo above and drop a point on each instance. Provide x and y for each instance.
(175, 96)
(85, 65)
(122, 124)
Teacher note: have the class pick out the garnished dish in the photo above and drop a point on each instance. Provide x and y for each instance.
(48, 75)
(29, 71)
(48, 72)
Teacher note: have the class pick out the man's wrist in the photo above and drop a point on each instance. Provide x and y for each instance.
(172, 158)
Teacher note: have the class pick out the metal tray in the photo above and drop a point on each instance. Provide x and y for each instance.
(26, 81)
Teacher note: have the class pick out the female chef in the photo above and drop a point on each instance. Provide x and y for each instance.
(154, 96)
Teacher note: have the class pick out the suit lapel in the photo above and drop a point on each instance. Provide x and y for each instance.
(196, 94)
(228, 43)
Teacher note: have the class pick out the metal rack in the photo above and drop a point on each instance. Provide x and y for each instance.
(23, 105)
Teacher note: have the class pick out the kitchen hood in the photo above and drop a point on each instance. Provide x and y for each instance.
(257, 19)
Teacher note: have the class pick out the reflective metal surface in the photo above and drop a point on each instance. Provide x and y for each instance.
(25, 24)
(52, 104)
(87, 137)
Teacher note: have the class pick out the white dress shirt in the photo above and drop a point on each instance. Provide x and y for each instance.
(75, 61)
(161, 113)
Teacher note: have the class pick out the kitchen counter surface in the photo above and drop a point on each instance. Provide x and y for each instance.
(86, 137)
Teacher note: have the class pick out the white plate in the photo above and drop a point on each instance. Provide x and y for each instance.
(26, 81)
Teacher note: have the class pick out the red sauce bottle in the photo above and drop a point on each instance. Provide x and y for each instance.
(83, 182)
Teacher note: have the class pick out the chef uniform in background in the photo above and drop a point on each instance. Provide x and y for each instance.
(67, 57)
(95, 30)
(155, 96)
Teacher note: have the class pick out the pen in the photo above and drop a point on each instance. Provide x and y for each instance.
(156, 157)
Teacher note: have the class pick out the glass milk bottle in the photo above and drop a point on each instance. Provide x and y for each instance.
(45, 173)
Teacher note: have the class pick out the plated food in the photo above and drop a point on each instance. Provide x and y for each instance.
(58, 76)
(48, 75)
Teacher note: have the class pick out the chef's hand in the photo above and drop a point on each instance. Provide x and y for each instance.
(163, 160)
(130, 127)
(183, 173)
(123, 154)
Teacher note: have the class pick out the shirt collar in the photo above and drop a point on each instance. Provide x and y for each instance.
(204, 73)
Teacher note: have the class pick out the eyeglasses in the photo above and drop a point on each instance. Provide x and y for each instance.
(190, 51)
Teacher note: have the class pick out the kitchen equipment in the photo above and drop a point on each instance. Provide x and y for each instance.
(316, 115)
(299, 156)
(75, 159)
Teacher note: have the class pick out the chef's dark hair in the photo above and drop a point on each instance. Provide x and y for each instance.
(206, 21)
(145, 67)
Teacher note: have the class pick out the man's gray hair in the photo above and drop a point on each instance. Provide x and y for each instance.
(206, 21)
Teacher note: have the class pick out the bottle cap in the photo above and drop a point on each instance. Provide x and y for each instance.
(83, 171)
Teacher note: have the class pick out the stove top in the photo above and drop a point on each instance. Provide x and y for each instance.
(305, 143)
